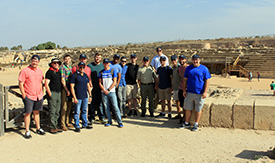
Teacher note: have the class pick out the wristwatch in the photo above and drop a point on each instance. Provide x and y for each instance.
(108, 89)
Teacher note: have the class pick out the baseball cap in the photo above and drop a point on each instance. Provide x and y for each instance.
(146, 58)
(106, 60)
(81, 64)
(116, 56)
(195, 56)
(162, 58)
(82, 56)
(133, 56)
(182, 56)
(174, 57)
(35, 57)
(158, 49)
(123, 57)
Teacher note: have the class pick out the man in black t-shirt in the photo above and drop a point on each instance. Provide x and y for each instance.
(131, 87)
(53, 88)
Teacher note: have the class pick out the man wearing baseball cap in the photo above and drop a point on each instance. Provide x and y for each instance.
(53, 89)
(146, 79)
(115, 65)
(196, 80)
(83, 58)
(31, 87)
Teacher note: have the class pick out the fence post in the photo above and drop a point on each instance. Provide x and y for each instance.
(2, 125)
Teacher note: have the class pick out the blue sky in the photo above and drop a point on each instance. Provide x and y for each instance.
(75, 23)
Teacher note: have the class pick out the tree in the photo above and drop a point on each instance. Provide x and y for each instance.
(33, 48)
(58, 47)
(47, 45)
(2, 48)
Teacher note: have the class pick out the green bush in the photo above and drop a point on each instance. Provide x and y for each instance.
(2, 48)
(47, 45)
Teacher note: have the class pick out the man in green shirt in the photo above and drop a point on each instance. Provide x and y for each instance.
(146, 79)
(96, 103)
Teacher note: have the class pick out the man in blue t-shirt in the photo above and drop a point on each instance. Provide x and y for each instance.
(196, 80)
(121, 91)
(164, 86)
(79, 88)
(107, 83)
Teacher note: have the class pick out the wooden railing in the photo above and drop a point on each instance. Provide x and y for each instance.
(242, 71)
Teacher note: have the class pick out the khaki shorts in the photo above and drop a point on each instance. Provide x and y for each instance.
(131, 91)
(164, 94)
(176, 95)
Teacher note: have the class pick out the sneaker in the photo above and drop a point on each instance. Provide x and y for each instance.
(130, 113)
(135, 113)
(107, 124)
(40, 131)
(161, 115)
(77, 130)
(177, 117)
(183, 126)
(28, 135)
(195, 127)
(151, 114)
(103, 121)
(120, 125)
(53, 131)
(58, 130)
(124, 116)
(88, 127)
(169, 116)
(142, 115)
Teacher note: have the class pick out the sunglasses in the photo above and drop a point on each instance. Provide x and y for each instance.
(55, 63)
(123, 61)
(81, 67)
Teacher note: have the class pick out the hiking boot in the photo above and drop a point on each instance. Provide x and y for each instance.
(28, 135)
(64, 128)
(130, 113)
(77, 130)
(169, 116)
(177, 117)
(58, 130)
(195, 127)
(184, 125)
(161, 115)
(40, 131)
(53, 131)
(70, 125)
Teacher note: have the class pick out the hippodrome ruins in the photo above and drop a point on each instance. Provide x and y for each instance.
(225, 107)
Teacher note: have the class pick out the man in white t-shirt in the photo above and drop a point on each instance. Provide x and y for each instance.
(156, 62)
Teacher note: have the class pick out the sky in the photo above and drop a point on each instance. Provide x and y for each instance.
(75, 23)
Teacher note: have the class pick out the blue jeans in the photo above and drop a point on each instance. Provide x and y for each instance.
(82, 104)
(113, 100)
(121, 93)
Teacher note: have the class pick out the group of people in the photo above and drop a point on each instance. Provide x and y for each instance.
(108, 86)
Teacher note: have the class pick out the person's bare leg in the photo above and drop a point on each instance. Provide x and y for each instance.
(163, 106)
(197, 116)
(178, 107)
(130, 104)
(169, 106)
(27, 120)
(36, 119)
(135, 103)
(187, 115)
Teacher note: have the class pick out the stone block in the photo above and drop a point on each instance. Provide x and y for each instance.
(243, 114)
(205, 116)
(264, 114)
(221, 113)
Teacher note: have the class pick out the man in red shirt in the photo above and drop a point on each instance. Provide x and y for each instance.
(31, 87)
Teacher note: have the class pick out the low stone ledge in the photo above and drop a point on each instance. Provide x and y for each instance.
(221, 113)
(243, 114)
(264, 114)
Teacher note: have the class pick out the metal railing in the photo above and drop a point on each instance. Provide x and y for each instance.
(242, 71)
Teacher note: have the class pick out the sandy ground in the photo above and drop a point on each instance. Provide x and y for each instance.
(142, 139)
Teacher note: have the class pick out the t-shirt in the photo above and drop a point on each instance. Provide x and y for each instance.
(176, 78)
(131, 74)
(156, 62)
(65, 71)
(196, 77)
(181, 70)
(123, 73)
(107, 78)
(87, 70)
(272, 86)
(146, 75)
(80, 86)
(95, 69)
(32, 79)
(55, 80)
(117, 67)
(164, 77)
